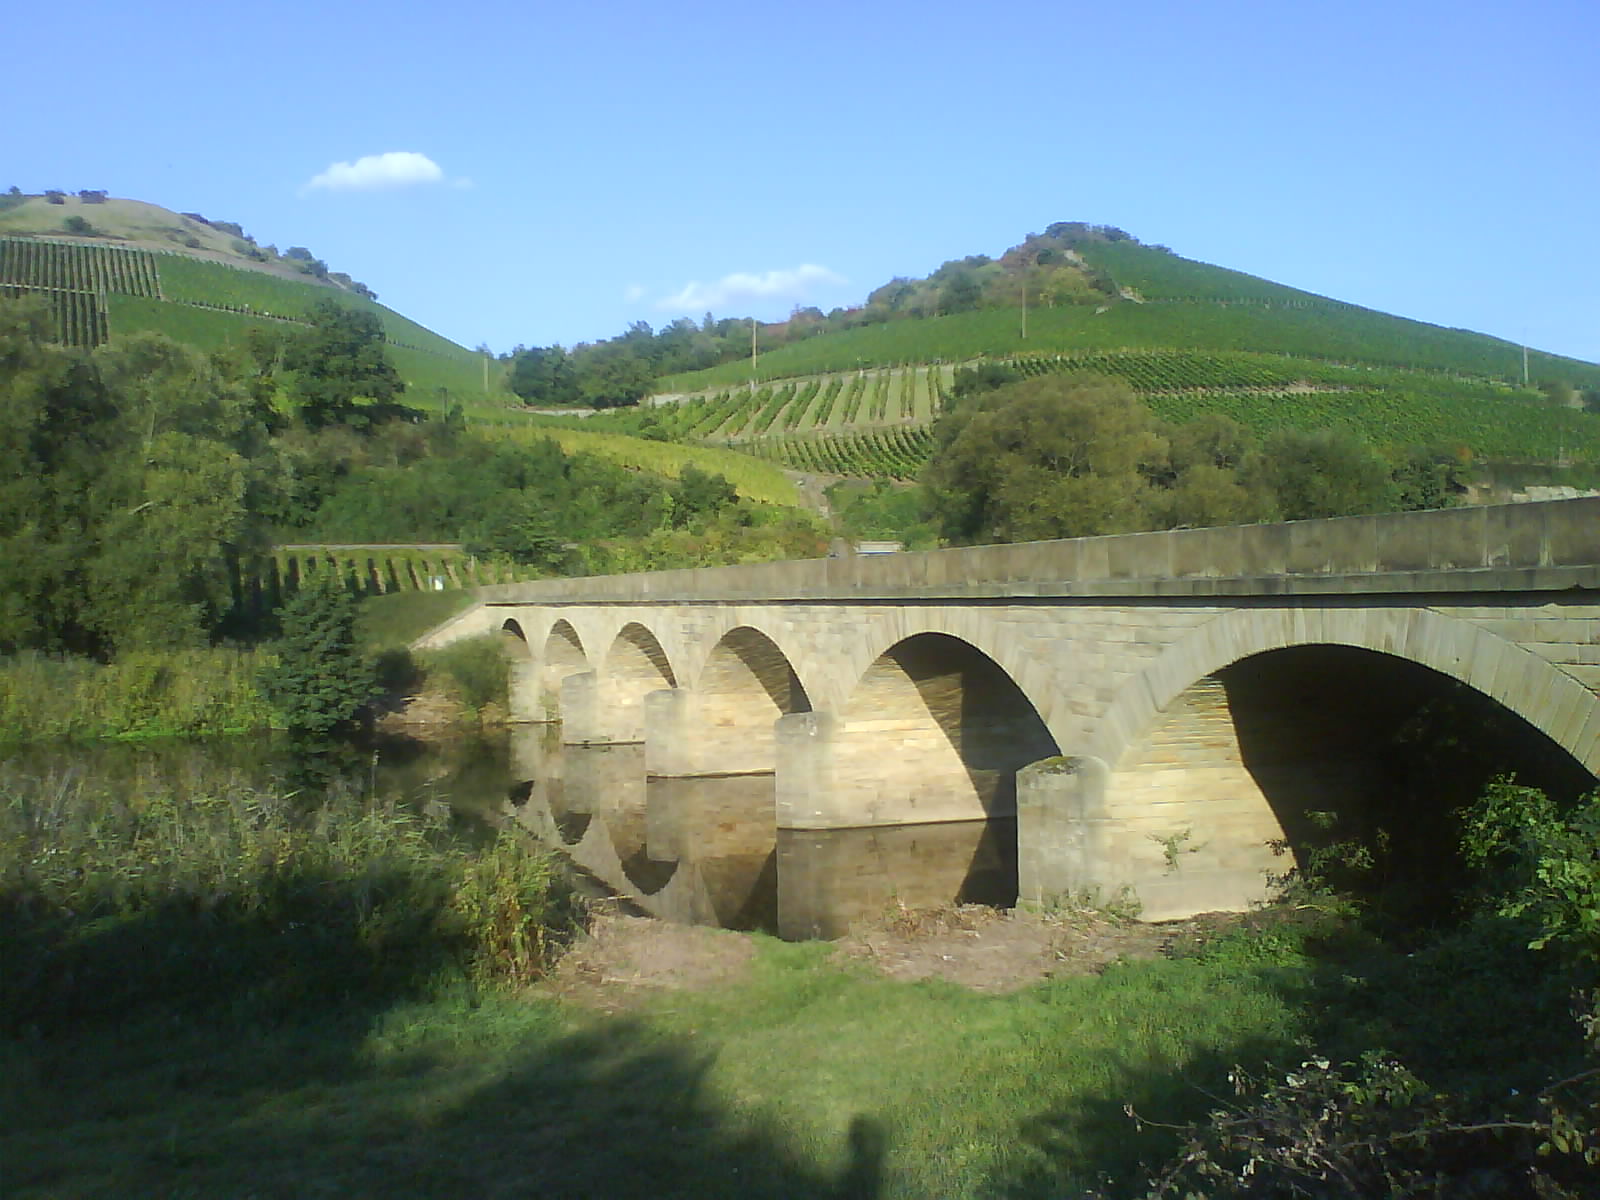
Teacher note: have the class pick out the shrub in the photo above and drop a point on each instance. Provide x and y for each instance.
(320, 680)
(475, 670)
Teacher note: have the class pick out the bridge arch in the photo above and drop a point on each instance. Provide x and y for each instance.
(935, 730)
(563, 656)
(522, 671)
(1227, 746)
(635, 665)
(744, 686)
(1541, 694)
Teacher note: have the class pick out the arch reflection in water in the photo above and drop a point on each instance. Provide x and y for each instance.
(706, 850)
(830, 879)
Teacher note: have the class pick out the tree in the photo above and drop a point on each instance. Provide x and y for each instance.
(321, 680)
(1323, 473)
(519, 527)
(543, 375)
(1054, 456)
(342, 372)
(700, 496)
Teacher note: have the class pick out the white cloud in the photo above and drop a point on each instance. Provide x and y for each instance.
(788, 284)
(633, 293)
(398, 168)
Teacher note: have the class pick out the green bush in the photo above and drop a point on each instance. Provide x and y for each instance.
(320, 680)
(474, 670)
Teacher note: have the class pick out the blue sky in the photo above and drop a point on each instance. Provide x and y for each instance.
(576, 167)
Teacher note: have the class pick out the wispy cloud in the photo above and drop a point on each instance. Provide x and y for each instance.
(372, 172)
(633, 293)
(793, 283)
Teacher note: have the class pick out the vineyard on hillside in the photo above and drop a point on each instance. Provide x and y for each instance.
(96, 291)
(873, 454)
(876, 422)
(741, 416)
(1327, 332)
(754, 478)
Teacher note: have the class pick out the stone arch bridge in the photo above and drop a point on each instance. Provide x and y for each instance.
(1145, 705)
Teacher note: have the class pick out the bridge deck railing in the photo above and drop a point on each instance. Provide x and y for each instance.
(1513, 547)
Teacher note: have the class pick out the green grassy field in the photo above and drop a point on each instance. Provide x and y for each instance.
(809, 1080)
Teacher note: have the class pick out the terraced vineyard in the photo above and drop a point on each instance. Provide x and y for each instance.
(1182, 305)
(95, 291)
(72, 266)
(75, 281)
(743, 415)
(874, 453)
(875, 422)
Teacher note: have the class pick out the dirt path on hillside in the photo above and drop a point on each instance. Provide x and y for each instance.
(813, 490)
(625, 959)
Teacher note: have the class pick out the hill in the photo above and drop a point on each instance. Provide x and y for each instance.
(115, 266)
(855, 392)
(1088, 292)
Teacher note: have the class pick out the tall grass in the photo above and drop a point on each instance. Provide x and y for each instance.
(227, 897)
(140, 694)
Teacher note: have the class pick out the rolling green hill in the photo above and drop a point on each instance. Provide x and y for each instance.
(140, 267)
(1187, 336)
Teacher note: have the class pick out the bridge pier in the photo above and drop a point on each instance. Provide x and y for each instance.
(843, 774)
(689, 733)
(582, 710)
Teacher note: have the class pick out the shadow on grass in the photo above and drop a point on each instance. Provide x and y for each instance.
(1093, 1141)
(1485, 1023)
(616, 1111)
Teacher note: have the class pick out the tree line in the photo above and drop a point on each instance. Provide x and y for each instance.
(134, 479)
(622, 370)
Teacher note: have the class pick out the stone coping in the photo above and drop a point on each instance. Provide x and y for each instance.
(1534, 547)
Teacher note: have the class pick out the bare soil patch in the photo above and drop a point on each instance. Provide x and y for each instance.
(995, 950)
(624, 959)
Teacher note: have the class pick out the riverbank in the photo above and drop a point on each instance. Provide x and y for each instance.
(797, 1072)
(677, 1062)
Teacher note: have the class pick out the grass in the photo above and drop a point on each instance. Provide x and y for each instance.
(224, 993)
(810, 1080)
(140, 694)
(400, 618)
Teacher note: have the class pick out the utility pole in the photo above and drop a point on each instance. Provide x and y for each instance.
(1524, 364)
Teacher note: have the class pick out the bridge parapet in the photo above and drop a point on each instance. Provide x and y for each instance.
(1506, 548)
